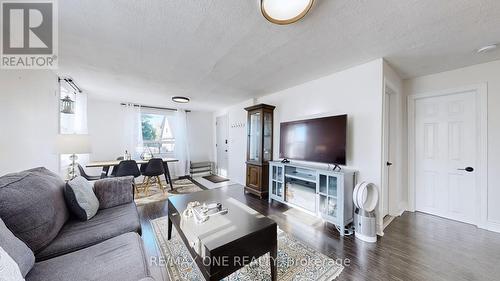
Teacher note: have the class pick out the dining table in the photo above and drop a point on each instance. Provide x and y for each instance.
(105, 165)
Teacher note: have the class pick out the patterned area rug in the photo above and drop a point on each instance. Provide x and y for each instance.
(296, 261)
(155, 194)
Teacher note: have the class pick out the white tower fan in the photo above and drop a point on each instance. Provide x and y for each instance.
(365, 197)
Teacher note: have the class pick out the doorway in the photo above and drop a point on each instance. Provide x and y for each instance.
(222, 146)
(390, 195)
(447, 141)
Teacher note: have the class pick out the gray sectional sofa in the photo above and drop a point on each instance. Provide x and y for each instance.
(39, 233)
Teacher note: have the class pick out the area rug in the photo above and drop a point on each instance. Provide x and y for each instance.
(215, 178)
(155, 194)
(296, 260)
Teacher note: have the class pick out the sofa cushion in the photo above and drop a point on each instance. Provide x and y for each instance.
(80, 198)
(32, 206)
(16, 249)
(114, 191)
(9, 270)
(106, 224)
(120, 258)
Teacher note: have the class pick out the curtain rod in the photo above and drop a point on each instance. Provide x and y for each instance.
(70, 82)
(152, 107)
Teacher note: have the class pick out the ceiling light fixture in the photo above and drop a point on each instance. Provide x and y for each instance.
(285, 11)
(487, 49)
(179, 99)
(67, 105)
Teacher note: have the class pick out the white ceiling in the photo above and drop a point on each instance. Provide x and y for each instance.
(220, 52)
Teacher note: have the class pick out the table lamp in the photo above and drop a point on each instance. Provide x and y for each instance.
(72, 144)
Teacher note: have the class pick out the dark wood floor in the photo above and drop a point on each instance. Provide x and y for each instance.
(415, 246)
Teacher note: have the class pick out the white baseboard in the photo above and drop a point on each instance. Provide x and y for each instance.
(388, 220)
(380, 229)
(492, 226)
(403, 207)
(488, 225)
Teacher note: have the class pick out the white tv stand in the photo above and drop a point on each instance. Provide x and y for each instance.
(318, 191)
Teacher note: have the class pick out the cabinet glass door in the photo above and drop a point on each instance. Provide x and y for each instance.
(332, 186)
(277, 185)
(332, 207)
(254, 136)
(323, 204)
(277, 173)
(322, 184)
(268, 138)
(328, 196)
(328, 206)
(277, 189)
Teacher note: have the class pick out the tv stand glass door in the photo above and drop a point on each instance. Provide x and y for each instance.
(277, 183)
(328, 196)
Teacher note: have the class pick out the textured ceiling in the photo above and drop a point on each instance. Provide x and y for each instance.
(220, 52)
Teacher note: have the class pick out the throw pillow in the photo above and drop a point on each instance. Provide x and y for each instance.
(32, 206)
(81, 199)
(17, 250)
(9, 270)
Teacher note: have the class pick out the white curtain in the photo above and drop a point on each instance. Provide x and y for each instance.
(80, 122)
(133, 130)
(181, 144)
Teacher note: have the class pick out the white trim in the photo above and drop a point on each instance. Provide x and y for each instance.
(395, 203)
(388, 220)
(481, 91)
(403, 207)
(384, 180)
(492, 226)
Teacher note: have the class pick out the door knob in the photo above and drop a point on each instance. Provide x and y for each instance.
(389, 164)
(467, 169)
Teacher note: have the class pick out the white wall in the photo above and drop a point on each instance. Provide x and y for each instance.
(28, 120)
(356, 92)
(106, 130)
(200, 136)
(483, 73)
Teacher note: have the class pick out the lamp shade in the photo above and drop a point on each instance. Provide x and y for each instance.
(73, 144)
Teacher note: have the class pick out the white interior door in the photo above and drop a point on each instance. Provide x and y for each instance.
(387, 155)
(445, 145)
(222, 145)
(390, 189)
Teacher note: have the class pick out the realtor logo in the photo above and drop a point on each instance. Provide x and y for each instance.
(29, 34)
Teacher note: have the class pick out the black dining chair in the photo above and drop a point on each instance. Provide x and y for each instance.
(85, 175)
(115, 168)
(152, 172)
(128, 168)
(143, 168)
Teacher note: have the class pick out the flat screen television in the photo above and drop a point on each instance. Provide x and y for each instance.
(317, 140)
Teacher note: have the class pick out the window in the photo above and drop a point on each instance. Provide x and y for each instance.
(157, 134)
(72, 122)
(67, 119)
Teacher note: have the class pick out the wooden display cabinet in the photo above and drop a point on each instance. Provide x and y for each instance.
(259, 148)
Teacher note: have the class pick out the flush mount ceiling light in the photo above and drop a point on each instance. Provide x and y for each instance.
(487, 49)
(285, 11)
(180, 99)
